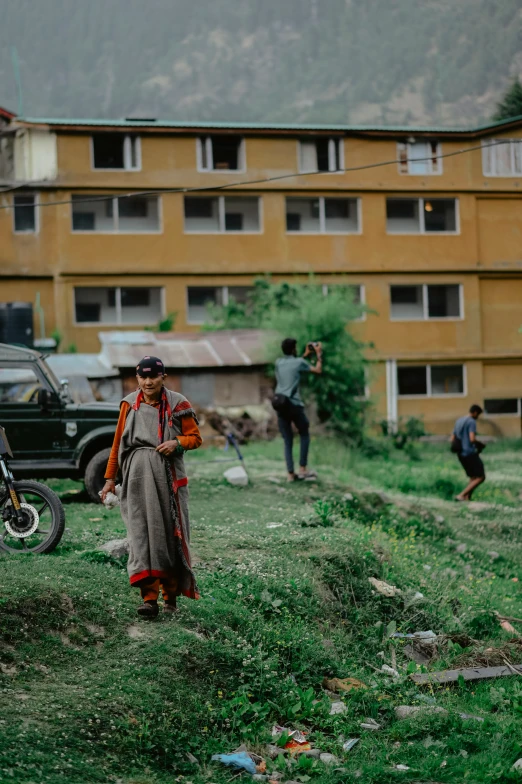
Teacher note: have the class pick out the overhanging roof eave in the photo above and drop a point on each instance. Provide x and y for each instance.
(178, 127)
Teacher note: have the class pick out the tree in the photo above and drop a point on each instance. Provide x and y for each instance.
(306, 313)
(511, 103)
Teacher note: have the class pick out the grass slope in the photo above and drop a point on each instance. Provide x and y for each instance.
(91, 694)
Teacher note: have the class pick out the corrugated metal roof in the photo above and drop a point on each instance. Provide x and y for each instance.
(226, 348)
(192, 125)
(89, 365)
(17, 353)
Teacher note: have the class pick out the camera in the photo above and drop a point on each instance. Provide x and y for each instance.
(313, 345)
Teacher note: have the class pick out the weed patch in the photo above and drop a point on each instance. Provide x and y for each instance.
(282, 608)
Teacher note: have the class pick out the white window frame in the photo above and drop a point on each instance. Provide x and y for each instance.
(224, 296)
(429, 393)
(422, 227)
(115, 215)
(118, 322)
(221, 217)
(332, 142)
(425, 309)
(36, 197)
(207, 141)
(488, 145)
(322, 216)
(404, 160)
(127, 157)
(519, 408)
(188, 320)
(362, 290)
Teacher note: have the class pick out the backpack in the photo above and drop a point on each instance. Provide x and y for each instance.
(281, 403)
(456, 446)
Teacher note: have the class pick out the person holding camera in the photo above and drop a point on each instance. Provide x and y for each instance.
(289, 406)
(464, 443)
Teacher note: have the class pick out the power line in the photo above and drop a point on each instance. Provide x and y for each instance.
(243, 183)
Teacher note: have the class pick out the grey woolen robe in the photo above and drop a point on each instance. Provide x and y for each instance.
(154, 497)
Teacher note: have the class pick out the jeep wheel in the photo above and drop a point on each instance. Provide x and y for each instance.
(94, 478)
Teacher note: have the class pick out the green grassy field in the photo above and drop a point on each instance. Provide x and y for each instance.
(89, 693)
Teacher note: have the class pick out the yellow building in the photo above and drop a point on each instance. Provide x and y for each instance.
(431, 237)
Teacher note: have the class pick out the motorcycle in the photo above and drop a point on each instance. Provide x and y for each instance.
(32, 518)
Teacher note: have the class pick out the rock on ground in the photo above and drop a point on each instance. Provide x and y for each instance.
(116, 548)
(329, 759)
(407, 711)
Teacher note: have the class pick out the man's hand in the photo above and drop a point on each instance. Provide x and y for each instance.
(108, 487)
(167, 448)
(318, 368)
(313, 348)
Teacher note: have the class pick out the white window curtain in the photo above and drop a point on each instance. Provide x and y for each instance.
(308, 153)
(487, 159)
(333, 163)
(419, 158)
(502, 158)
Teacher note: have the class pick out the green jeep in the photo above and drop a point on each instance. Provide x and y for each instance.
(51, 436)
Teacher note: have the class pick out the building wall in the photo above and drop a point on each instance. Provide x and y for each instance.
(26, 290)
(484, 256)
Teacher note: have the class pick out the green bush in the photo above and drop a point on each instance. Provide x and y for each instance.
(405, 433)
(303, 312)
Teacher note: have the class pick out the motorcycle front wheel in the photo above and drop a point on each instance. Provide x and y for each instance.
(43, 520)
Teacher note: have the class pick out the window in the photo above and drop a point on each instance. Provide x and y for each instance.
(116, 151)
(221, 153)
(444, 301)
(322, 215)
(419, 158)
(118, 305)
(502, 158)
(407, 302)
(19, 385)
(499, 406)
(430, 380)
(422, 302)
(126, 214)
(421, 216)
(221, 214)
(323, 154)
(239, 294)
(412, 380)
(447, 380)
(25, 213)
(200, 297)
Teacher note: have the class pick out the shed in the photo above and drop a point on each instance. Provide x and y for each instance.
(224, 368)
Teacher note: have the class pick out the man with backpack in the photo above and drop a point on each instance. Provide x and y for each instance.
(289, 406)
(464, 443)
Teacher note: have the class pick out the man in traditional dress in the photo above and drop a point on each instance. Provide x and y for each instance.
(155, 428)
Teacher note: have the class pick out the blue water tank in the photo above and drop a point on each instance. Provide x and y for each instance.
(16, 323)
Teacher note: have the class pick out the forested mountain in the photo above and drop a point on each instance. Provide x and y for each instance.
(358, 61)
